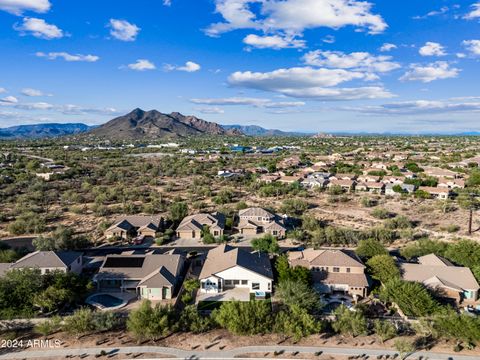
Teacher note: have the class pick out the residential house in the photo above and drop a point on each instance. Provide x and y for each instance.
(346, 185)
(333, 270)
(269, 178)
(396, 180)
(406, 188)
(290, 179)
(191, 226)
(314, 182)
(368, 178)
(227, 267)
(344, 177)
(451, 183)
(442, 193)
(134, 225)
(50, 261)
(151, 276)
(255, 220)
(290, 162)
(440, 173)
(437, 273)
(372, 187)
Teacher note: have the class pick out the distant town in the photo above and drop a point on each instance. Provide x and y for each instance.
(367, 242)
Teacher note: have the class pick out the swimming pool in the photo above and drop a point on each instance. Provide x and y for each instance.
(106, 301)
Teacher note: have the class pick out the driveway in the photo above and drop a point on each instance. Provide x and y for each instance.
(241, 294)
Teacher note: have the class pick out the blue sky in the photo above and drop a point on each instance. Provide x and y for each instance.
(303, 65)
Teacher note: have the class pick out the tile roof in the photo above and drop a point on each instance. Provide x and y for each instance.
(47, 259)
(224, 257)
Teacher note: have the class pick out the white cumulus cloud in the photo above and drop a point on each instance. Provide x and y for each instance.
(210, 110)
(33, 92)
(387, 47)
(362, 61)
(17, 7)
(473, 46)
(256, 102)
(123, 30)
(8, 100)
(142, 65)
(292, 17)
(432, 49)
(308, 82)
(273, 42)
(189, 66)
(68, 57)
(474, 13)
(39, 28)
(430, 72)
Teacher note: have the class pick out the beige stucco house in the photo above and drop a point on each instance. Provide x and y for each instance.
(227, 267)
(333, 270)
(50, 261)
(151, 276)
(191, 226)
(135, 225)
(437, 273)
(255, 220)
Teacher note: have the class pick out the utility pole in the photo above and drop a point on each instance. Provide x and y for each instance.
(470, 220)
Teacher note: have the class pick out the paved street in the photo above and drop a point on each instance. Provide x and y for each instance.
(224, 354)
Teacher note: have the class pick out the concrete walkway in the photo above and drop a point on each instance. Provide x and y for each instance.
(221, 354)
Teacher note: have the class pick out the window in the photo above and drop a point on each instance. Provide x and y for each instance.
(244, 282)
(274, 232)
(336, 269)
(203, 285)
(348, 270)
(269, 286)
(228, 282)
(215, 233)
(236, 282)
(255, 286)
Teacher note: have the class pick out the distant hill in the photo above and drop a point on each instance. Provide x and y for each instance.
(37, 131)
(255, 130)
(140, 124)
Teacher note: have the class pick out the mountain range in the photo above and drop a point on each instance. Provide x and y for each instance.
(139, 124)
(37, 131)
(255, 130)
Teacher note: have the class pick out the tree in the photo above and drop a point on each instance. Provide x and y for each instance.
(349, 322)
(244, 318)
(267, 243)
(474, 178)
(178, 210)
(294, 207)
(384, 330)
(296, 322)
(293, 292)
(381, 213)
(149, 322)
(411, 297)
(424, 247)
(48, 326)
(459, 327)
(51, 298)
(189, 286)
(404, 347)
(369, 248)
(191, 320)
(383, 268)
(207, 236)
(80, 323)
(286, 273)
